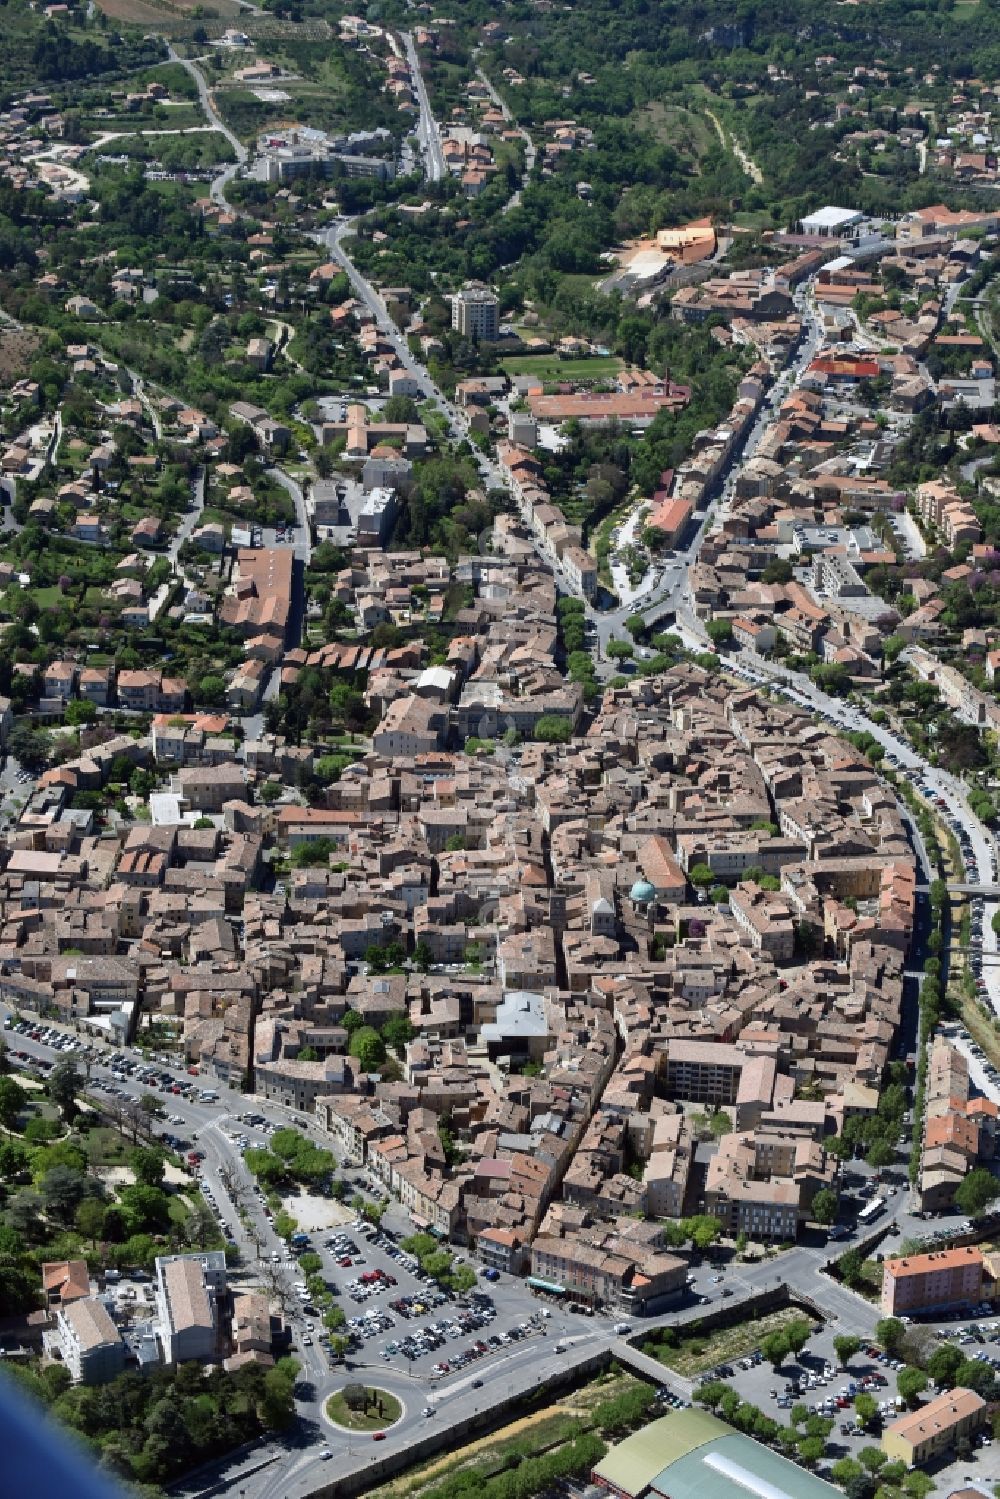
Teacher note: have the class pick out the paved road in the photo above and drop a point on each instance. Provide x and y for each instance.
(490, 474)
(670, 592)
(529, 145)
(220, 183)
(427, 132)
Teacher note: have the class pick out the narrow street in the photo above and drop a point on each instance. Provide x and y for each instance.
(529, 145)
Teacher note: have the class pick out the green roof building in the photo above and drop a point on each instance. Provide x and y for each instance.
(693, 1455)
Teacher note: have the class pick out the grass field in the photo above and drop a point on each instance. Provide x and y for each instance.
(371, 1419)
(548, 367)
(689, 133)
(105, 1146)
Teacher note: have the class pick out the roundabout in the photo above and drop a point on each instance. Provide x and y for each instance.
(361, 1407)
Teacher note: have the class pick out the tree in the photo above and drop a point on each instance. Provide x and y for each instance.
(401, 410)
(63, 1086)
(461, 1279)
(63, 1189)
(824, 1206)
(146, 1209)
(850, 1266)
(147, 1164)
(943, 1365)
(277, 1408)
(286, 1142)
(845, 1348)
(700, 874)
(719, 631)
(90, 1217)
(976, 1191)
(811, 1450)
(13, 1159)
(369, 1048)
(910, 1383)
(30, 746)
(865, 1408)
(12, 1100)
(210, 691)
(356, 1397)
(889, 1331)
(974, 1374)
(619, 650)
(845, 1470)
(635, 625)
(873, 1458)
(551, 728)
(774, 1348)
(80, 710)
(797, 1335)
(397, 1031)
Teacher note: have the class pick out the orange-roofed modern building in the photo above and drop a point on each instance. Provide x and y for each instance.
(932, 1282)
(951, 1417)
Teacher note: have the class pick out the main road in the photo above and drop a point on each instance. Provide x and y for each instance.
(667, 596)
(220, 183)
(427, 132)
(490, 473)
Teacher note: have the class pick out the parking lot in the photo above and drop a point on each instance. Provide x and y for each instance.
(398, 1314)
(815, 1380)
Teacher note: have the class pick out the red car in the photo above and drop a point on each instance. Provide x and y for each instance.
(345, 1263)
(378, 1436)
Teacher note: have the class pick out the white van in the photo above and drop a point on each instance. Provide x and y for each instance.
(622, 1327)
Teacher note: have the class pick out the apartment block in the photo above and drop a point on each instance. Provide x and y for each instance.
(88, 1342)
(187, 1288)
(932, 1282)
(475, 313)
(704, 1071)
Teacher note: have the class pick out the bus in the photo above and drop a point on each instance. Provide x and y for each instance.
(871, 1210)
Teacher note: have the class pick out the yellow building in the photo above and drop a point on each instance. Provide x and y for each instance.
(935, 1427)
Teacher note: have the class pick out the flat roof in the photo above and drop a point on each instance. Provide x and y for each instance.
(927, 1264)
(831, 217)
